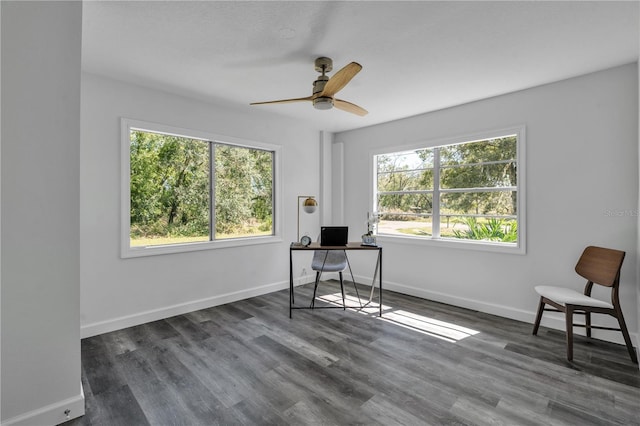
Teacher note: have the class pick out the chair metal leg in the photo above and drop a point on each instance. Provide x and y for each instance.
(315, 288)
(569, 320)
(587, 323)
(538, 317)
(344, 304)
(357, 294)
(353, 280)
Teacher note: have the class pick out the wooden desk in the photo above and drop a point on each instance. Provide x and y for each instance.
(349, 246)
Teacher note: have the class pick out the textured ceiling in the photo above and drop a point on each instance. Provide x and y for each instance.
(417, 56)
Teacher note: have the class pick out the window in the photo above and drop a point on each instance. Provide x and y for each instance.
(468, 190)
(184, 190)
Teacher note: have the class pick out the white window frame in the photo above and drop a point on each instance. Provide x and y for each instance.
(126, 251)
(517, 248)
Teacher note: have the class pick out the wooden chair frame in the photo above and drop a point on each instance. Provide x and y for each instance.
(599, 266)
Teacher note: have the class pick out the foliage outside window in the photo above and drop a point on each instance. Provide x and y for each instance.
(464, 191)
(184, 190)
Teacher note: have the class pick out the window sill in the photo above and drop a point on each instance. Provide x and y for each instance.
(130, 252)
(485, 246)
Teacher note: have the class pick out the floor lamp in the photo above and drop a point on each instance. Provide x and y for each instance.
(309, 205)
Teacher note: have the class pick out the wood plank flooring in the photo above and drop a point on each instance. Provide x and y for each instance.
(424, 363)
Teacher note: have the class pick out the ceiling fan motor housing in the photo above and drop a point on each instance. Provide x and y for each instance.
(318, 85)
(321, 102)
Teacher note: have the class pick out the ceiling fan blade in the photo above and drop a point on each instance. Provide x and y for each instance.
(349, 107)
(340, 79)
(284, 101)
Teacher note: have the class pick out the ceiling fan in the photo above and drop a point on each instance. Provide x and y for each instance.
(325, 88)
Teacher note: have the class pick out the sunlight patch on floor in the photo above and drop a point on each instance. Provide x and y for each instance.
(353, 304)
(431, 326)
(402, 318)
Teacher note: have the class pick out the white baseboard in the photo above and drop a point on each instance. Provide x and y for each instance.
(119, 323)
(52, 414)
(550, 319)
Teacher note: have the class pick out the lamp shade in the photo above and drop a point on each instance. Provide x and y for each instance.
(309, 205)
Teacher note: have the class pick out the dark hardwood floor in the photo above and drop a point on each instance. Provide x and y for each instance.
(424, 363)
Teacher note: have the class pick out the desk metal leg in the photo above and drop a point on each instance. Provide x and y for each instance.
(380, 277)
(375, 275)
(291, 300)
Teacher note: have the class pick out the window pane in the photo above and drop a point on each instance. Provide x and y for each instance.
(490, 175)
(402, 224)
(482, 228)
(244, 192)
(169, 189)
(416, 159)
(409, 180)
(479, 152)
(499, 203)
(405, 171)
(403, 204)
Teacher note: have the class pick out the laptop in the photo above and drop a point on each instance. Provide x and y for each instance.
(334, 235)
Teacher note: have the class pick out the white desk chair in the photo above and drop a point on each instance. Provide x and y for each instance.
(330, 261)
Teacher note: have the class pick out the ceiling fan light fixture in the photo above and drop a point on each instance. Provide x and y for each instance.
(323, 102)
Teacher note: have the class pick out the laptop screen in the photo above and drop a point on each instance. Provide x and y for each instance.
(334, 235)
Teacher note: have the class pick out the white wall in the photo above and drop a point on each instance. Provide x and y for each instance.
(337, 185)
(326, 178)
(582, 161)
(117, 292)
(637, 343)
(41, 44)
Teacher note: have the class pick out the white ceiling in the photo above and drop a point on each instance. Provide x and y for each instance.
(417, 56)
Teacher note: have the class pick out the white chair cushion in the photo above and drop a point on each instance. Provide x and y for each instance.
(564, 295)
